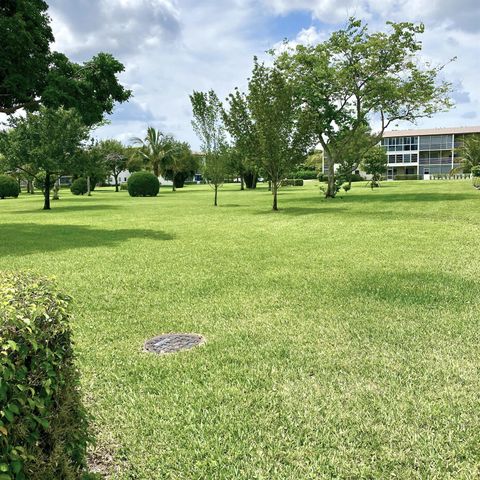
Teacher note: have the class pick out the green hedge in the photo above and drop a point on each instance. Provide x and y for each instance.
(292, 182)
(8, 187)
(143, 184)
(43, 425)
(306, 174)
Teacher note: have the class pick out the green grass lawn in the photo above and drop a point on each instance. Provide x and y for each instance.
(342, 335)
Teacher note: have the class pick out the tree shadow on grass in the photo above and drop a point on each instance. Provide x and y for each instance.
(17, 239)
(386, 197)
(426, 289)
(298, 211)
(66, 208)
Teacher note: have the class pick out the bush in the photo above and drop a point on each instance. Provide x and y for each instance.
(476, 182)
(124, 186)
(306, 174)
(292, 182)
(8, 187)
(356, 177)
(43, 425)
(346, 187)
(143, 184)
(475, 171)
(79, 186)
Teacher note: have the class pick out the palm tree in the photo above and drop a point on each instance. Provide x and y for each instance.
(155, 146)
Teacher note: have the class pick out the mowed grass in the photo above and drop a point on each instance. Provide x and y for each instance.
(342, 335)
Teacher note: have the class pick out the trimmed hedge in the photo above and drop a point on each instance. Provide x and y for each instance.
(43, 425)
(79, 186)
(306, 174)
(8, 188)
(292, 182)
(143, 184)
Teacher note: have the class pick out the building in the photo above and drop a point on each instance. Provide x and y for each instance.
(422, 153)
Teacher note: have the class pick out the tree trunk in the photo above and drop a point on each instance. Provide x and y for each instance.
(331, 190)
(216, 195)
(116, 183)
(30, 187)
(89, 193)
(242, 182)
(269, 185)
(173, 183)
(46, 205)
(56, 189)
(274, 191)
(156, 169)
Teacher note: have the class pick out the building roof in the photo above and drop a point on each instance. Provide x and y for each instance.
(431, 131)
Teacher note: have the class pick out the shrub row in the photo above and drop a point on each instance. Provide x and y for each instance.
(292, 182)
(306, 174)
(43, 425)
(8, 187)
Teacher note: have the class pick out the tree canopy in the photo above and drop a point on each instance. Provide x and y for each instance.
(356, 78)
(32, 75)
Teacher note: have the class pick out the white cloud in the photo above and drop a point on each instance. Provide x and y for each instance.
(171, 47)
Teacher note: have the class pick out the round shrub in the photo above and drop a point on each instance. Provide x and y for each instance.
(8, 187)
(79, 186)
(143, 184)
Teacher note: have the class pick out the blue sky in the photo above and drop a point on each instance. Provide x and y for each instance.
(170, 47)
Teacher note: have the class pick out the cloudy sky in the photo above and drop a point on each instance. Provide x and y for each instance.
(171, 47)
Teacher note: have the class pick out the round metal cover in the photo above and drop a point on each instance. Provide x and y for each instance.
(173, 342)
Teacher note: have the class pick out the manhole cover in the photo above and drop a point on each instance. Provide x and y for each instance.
(173, 342)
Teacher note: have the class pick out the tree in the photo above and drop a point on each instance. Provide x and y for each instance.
(114, 158)
(470, 152)
(91, 165)
(375, 164)
(24, 57)
(31, 75)
(179, 164)
(208, 125)
(355, 78)
(239, 124)
(282, 138)
(47, 141)
(154, 146)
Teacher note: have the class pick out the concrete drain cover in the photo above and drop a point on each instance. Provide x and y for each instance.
(173, 342)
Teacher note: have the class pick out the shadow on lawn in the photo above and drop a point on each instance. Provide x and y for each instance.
(384, 196)
(26, 238)
(66, 208)
(298, 211)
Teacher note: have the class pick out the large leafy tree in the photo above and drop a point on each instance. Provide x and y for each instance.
(282, 139)
(46, 143)
(115, 158)
(209, 126)
(240, 126)
(31, 75)
(24, 54)
(374, 163)
(469, 152)
(154, 147)
(179, 164)
(356, 78)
